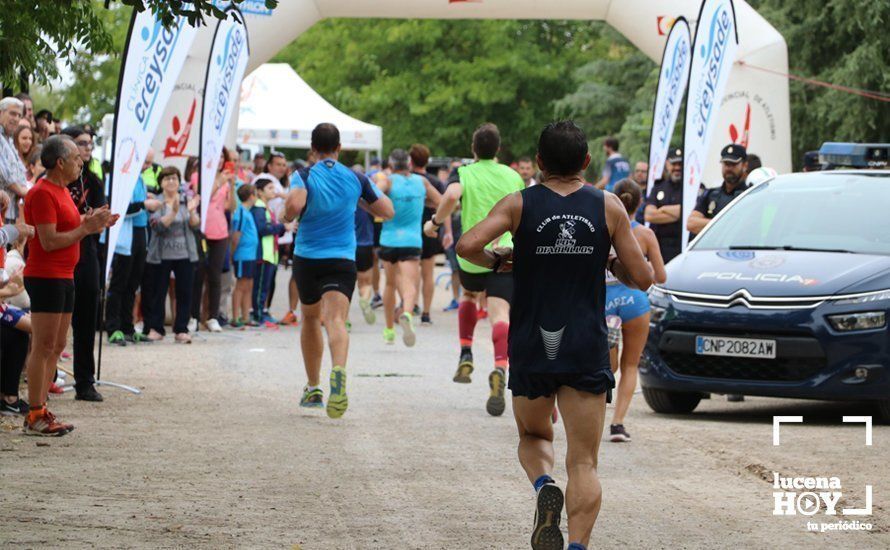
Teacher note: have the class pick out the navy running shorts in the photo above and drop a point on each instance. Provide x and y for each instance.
(533, 385)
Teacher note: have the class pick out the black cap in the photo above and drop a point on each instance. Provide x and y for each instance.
(675, 155)
(733, 153)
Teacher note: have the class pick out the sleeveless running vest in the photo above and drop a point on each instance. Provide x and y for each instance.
(404, 230)
(557, 317)
(483, 184)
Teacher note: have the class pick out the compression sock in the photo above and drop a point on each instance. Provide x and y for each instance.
(466, 323)
(576, 546)
(499, 334)
(541, 481)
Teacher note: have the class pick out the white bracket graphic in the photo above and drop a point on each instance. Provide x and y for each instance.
(864, 420)
(778, 421)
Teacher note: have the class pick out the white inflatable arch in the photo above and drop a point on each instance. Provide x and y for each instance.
(755, 107)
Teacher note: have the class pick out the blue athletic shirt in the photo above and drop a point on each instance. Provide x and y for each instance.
(404, 229)
(327, 225)
(617, 168)
(364, 228)
(249, 242)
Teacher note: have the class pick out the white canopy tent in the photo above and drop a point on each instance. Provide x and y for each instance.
(279, 109)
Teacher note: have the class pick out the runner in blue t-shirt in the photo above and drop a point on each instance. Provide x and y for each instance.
(616, 169)
(401, 242)
(324, 259)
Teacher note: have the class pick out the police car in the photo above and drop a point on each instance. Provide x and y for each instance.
(785, 294)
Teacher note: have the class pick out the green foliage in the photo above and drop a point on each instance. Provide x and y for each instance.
(840, 41)
(436, 81)
(34, 34)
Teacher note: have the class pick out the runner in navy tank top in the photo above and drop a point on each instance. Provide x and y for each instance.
(563, 230)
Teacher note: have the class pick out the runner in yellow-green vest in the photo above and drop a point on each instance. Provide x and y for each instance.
(478, 187)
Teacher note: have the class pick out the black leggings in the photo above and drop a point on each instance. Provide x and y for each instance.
(85, 318)
(14, 344)
(216, 257)
(160, 274)
(126, 275)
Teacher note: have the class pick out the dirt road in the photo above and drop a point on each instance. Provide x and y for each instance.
(217, 454)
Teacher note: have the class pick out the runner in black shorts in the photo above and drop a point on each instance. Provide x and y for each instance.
(432, 247)
(562, 233)
(324, 264)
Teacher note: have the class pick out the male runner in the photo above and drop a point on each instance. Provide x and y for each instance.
(563, 230)
(401, 242)
(324, 260)
(478, 187)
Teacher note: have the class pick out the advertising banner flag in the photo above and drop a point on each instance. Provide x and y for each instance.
(153, 58)
(669, 96)
(229, 53)
(713, 53)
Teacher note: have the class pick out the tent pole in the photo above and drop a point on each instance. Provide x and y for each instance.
(367, 159)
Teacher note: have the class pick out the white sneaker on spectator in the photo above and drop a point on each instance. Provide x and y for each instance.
(193, 324)
(213, 325)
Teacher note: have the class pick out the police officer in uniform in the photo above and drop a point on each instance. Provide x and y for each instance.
(663, 206)
(733, 159)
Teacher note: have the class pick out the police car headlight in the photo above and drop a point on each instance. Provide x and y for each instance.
(868, 320)
(879, 296)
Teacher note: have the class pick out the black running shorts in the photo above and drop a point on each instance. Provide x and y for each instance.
(316, 277)
(533, 385)
(431, 247)
(399, 254)
(364, 258)
(50, 295)
(497, 285)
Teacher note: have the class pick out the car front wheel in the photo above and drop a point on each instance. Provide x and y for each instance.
(671, 402)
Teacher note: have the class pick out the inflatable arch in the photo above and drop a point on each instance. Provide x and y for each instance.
(755, 108)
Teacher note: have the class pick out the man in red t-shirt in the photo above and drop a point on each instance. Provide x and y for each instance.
(49, 273)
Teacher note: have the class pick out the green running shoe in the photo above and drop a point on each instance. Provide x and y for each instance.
(389, 336)
(338, 402)
(312, 399)
(117, 337)
(370, 316)
(409, 337)
(497, 382)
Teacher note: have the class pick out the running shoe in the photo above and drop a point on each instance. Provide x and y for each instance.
(338, 402)
(43, 423)
(17, 408)
(312, 399)
(269, 319)
(376, 301)
(416, 311)
(290, 319)
(617, 434)
(213, 325)
(409, 337)
(452, 306)
(137, 338)
(548, 512)
(237, 324)
(389, 336)
(425, 320)
(192, 325)
(464, 368)
(367, 311)
(497, 381)
(117, 337)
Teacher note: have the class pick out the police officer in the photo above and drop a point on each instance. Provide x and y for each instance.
(663, 206)
(733, 159)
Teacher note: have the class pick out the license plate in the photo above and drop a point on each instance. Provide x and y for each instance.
(735, 347)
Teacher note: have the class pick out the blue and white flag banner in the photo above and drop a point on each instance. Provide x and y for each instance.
(713, 53)
(153, 59)
(669, 96)
(229, 53)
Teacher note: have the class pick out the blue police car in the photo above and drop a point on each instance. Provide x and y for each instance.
(785, 294)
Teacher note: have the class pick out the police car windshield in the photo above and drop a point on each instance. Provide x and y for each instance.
(840, 212)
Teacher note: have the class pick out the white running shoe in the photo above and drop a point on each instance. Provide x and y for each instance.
(213, 325)
(193, 325)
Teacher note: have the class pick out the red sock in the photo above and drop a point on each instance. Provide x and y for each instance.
(499, 334)
(466, 323)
